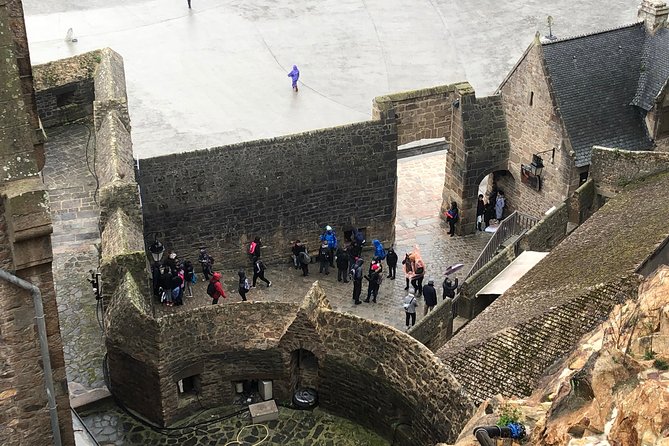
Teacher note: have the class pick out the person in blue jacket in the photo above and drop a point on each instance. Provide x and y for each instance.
(295, 76)
(330, 238)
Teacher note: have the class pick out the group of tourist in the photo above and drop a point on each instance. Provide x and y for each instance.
(173, 279)
(492, 209)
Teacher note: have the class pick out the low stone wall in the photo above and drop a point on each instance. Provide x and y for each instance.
(512, 362)
(420, 114)
(613, 169)
(435, 328)
(548, 232)
(357, 372)
(64, 89)
(469, 305)
(279, 189)
(582, 203)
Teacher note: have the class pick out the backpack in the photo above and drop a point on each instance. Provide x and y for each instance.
(211, 289)
(420, 270)
(252, 248)
(304, 258)
(246, 285)
(261, 266)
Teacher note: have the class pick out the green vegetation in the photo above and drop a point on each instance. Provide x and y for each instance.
(508, 413)
(661, 364)
(650, 354)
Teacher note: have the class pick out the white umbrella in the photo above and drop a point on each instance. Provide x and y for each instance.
(453, 268)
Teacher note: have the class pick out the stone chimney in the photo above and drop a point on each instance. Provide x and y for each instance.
(654, 14)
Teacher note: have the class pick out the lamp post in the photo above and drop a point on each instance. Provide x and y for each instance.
(156, 249)
(537, 165)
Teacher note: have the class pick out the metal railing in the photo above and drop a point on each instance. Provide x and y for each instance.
(514, 224)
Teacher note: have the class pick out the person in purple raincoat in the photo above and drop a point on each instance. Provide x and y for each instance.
(294, 75)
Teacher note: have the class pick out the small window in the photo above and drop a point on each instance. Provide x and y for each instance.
(189, 386)
(531, 98)
(65, 98)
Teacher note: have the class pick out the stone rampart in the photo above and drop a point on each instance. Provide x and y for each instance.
(613, 169)
(436, 328)
(420, 114)
(356, 370)
(64, 89)
(279, 189)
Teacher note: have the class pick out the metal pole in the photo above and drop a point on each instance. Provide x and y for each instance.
(44, 349)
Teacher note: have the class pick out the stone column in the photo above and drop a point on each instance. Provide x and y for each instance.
(654, 14)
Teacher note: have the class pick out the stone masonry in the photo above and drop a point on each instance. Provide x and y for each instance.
(278, 189)
(25, 238)
(534, 126)
(419, 114)
(479, 146)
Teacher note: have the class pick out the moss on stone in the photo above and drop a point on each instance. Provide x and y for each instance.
(66, 71)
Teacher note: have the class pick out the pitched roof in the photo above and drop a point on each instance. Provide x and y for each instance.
(595, 77)
(654, 69)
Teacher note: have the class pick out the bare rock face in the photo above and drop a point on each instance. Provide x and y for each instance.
(611, 391)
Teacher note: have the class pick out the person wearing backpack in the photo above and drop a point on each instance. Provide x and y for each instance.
(324, 258)
(254, 249)
(342, 265)
(329, 237)
(206, 261)
(374, 279)
(259, 273)
(391, 260)
(215, 289)
(357, 274)
(452, 217)
(244, 286)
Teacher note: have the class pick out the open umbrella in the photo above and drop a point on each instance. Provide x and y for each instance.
(453, 268)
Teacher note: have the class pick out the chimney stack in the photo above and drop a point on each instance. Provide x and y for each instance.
(654, 14)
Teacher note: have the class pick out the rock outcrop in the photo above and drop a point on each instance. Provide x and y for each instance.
(613, 390)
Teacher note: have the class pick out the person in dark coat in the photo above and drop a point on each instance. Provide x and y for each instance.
(450, 288)
(391, 260)
(452, 217)
(166, 287)
(155, 277)
(374, 279)
(430, 296)
(259, 273)
(480, 213)
(206, 261)
(342, 265)
(357, 280)
(324, 259)
(176, 282)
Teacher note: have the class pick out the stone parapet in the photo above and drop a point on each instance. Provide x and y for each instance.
(613, 169)
(548, 232)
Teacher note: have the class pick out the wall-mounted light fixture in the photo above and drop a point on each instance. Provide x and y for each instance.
(156, 249)
(530, 174)
(456, 103)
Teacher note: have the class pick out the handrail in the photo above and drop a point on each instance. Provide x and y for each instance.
(514, 224)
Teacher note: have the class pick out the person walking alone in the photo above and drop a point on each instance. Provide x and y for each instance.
(259, 273)
(295, 76)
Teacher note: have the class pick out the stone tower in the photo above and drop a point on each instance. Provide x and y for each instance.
(25, 251)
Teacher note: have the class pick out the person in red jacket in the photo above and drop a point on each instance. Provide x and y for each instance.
(215, 289)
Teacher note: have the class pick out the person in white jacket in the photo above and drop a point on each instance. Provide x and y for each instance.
(410, 304)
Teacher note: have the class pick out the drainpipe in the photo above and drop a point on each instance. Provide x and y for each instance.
(485, 434)
(44, 349)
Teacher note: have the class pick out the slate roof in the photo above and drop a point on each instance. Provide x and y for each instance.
(654, 69)
(595, 79)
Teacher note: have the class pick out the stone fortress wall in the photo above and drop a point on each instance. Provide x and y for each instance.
(279, 189)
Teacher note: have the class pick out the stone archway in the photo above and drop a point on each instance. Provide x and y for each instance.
(479, 146)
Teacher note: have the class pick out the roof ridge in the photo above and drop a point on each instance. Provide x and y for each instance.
(579, 36)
